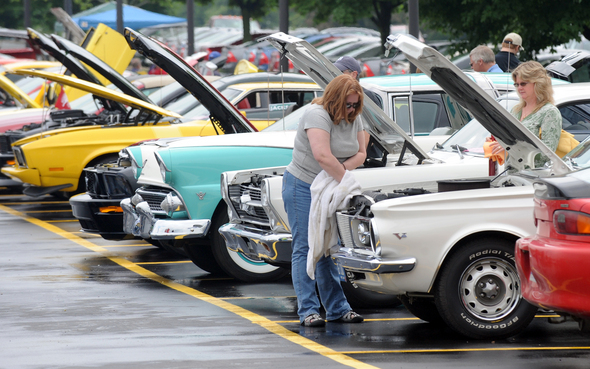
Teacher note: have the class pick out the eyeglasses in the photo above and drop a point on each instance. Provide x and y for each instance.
(521, 84)
(352, 105)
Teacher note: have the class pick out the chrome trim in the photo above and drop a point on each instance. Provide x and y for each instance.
(256, 243)
(179, 229)
(367, 264)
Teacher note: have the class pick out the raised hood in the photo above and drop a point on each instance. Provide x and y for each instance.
(565, 68)
(101, 67)
(522, 144)
(100, 91)
(381, 127)
(16, 93)
(223, 114)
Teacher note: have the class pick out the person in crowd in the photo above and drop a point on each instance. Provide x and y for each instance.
(135, 65)
(506, 58)
(349, 65)
(329, 138)
(482, 59)
(536, 109)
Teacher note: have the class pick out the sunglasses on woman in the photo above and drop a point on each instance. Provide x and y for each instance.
(352, 105)
(521, 84)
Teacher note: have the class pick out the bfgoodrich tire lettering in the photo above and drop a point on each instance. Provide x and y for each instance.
(478, 291)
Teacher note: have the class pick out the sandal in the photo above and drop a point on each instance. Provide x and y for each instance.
(350, 317)
(313, 320)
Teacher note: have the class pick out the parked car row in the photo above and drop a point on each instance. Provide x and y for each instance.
(415, 235)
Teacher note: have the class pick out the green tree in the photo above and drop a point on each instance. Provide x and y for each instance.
(540, 23)
(348, 12)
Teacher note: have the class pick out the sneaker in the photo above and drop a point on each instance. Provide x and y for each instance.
(313, 320)
(350, 317)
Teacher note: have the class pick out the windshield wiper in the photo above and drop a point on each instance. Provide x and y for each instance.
(438, 146)
(460, 150)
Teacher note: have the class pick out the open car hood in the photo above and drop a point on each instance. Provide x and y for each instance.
(16, 93)
(568, 64)
(522, 144)
(381, 127)
(101, 67)
(223, 114)
(100, 91)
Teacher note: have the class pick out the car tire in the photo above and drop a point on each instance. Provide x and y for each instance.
(201, 255)
(478, 291)
(361, 298)
(235, 263)
(423, 308)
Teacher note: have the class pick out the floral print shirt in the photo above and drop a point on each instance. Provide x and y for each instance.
(545, 123)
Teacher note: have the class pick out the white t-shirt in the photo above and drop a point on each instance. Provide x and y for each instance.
(343, 142)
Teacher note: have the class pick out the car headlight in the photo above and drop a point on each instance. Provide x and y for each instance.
(163, 169)
(171, 204)
(364, 233)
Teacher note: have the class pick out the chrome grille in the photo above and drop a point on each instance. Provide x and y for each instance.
(154, 196)
(344, 230)
(252, 212)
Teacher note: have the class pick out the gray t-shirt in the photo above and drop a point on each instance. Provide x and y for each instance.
(343, 142)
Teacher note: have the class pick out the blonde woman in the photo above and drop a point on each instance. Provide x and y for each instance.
(535, 109)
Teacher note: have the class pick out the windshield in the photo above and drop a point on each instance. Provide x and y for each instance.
(201, 112)
(579, 157)
(288, 123)
(183, 105)
(472, 137)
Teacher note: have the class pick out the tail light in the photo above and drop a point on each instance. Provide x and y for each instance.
(231, 58)
(368, 71)
(571, 222)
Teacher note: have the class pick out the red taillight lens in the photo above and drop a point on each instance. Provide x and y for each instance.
(231, 58)
(571, 222)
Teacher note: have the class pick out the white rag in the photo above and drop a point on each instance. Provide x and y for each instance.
(327, 196)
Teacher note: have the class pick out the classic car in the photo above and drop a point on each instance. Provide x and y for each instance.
(554, 263)
(449, 252)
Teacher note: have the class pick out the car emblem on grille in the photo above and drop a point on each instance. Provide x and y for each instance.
(400, 235)
(201, 195)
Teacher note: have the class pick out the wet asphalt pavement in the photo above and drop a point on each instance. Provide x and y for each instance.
(74, 300)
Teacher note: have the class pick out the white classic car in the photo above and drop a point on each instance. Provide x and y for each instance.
(391, 265)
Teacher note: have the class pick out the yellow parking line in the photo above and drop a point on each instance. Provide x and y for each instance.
(62, 221)
(254, 318)
(164, 262)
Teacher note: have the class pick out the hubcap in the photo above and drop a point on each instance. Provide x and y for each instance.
(490, 288)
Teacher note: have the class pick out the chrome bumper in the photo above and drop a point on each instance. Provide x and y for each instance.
(369, 264)
(140, 221)
(273, 248)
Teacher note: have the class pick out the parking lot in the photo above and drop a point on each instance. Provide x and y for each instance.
(69, 299)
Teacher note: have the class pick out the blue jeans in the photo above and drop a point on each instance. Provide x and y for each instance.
(297, 200)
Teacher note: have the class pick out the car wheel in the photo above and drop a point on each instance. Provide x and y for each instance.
(423, 308)
(478, 291)
(235, 263)
(201, 255)
(361, 298)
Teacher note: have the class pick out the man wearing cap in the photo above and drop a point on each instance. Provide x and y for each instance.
(506, 58)
(349, 65)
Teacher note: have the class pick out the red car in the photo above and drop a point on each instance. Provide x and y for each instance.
(554, 264)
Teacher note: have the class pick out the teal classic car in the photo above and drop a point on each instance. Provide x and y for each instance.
(179, 205)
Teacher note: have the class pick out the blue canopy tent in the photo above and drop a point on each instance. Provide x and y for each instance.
(133, 17)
